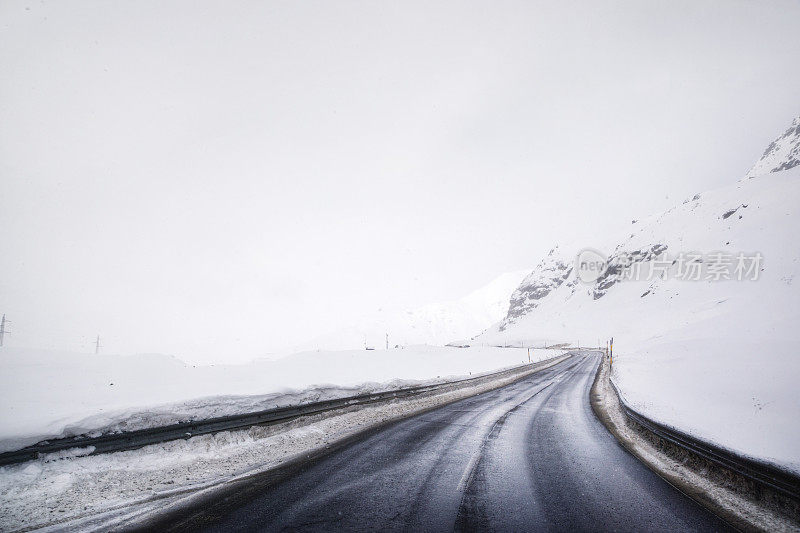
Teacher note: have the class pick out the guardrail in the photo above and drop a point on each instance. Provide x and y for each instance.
(762, 474)
(130, 440)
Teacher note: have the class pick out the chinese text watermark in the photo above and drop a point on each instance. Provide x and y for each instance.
(591, 266)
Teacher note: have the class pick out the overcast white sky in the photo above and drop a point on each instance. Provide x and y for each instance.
(220, 180)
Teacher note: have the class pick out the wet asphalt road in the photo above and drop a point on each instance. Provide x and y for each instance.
(528, 457)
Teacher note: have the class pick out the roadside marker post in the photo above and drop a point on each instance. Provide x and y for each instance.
(611, 352)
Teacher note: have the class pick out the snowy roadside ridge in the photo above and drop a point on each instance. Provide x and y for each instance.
(130, 440)
(749, 494)
(128, 489)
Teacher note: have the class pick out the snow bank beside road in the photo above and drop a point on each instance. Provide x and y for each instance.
(54, 394)
(725, 391)
(737, 502)
(96, 492)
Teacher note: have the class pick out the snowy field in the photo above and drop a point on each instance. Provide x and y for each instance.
(47, 394)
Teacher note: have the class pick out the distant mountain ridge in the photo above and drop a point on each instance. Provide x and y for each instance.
(434, 324)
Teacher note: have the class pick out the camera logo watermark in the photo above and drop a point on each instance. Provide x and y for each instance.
(591, 265)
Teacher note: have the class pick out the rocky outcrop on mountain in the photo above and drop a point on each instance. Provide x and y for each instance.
(782, 154)
(623, 264)
(548, 275)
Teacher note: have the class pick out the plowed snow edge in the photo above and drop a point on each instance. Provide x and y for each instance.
(734, 501)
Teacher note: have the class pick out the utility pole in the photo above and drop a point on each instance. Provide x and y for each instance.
(387, 341)
(2, 329)
(97, 345)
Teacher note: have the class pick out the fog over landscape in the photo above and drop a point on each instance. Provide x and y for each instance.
(399, 266)
(225, 182)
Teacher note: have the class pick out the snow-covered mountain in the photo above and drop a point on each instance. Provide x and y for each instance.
(782, 154)
(703, 301)
(436, 324)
